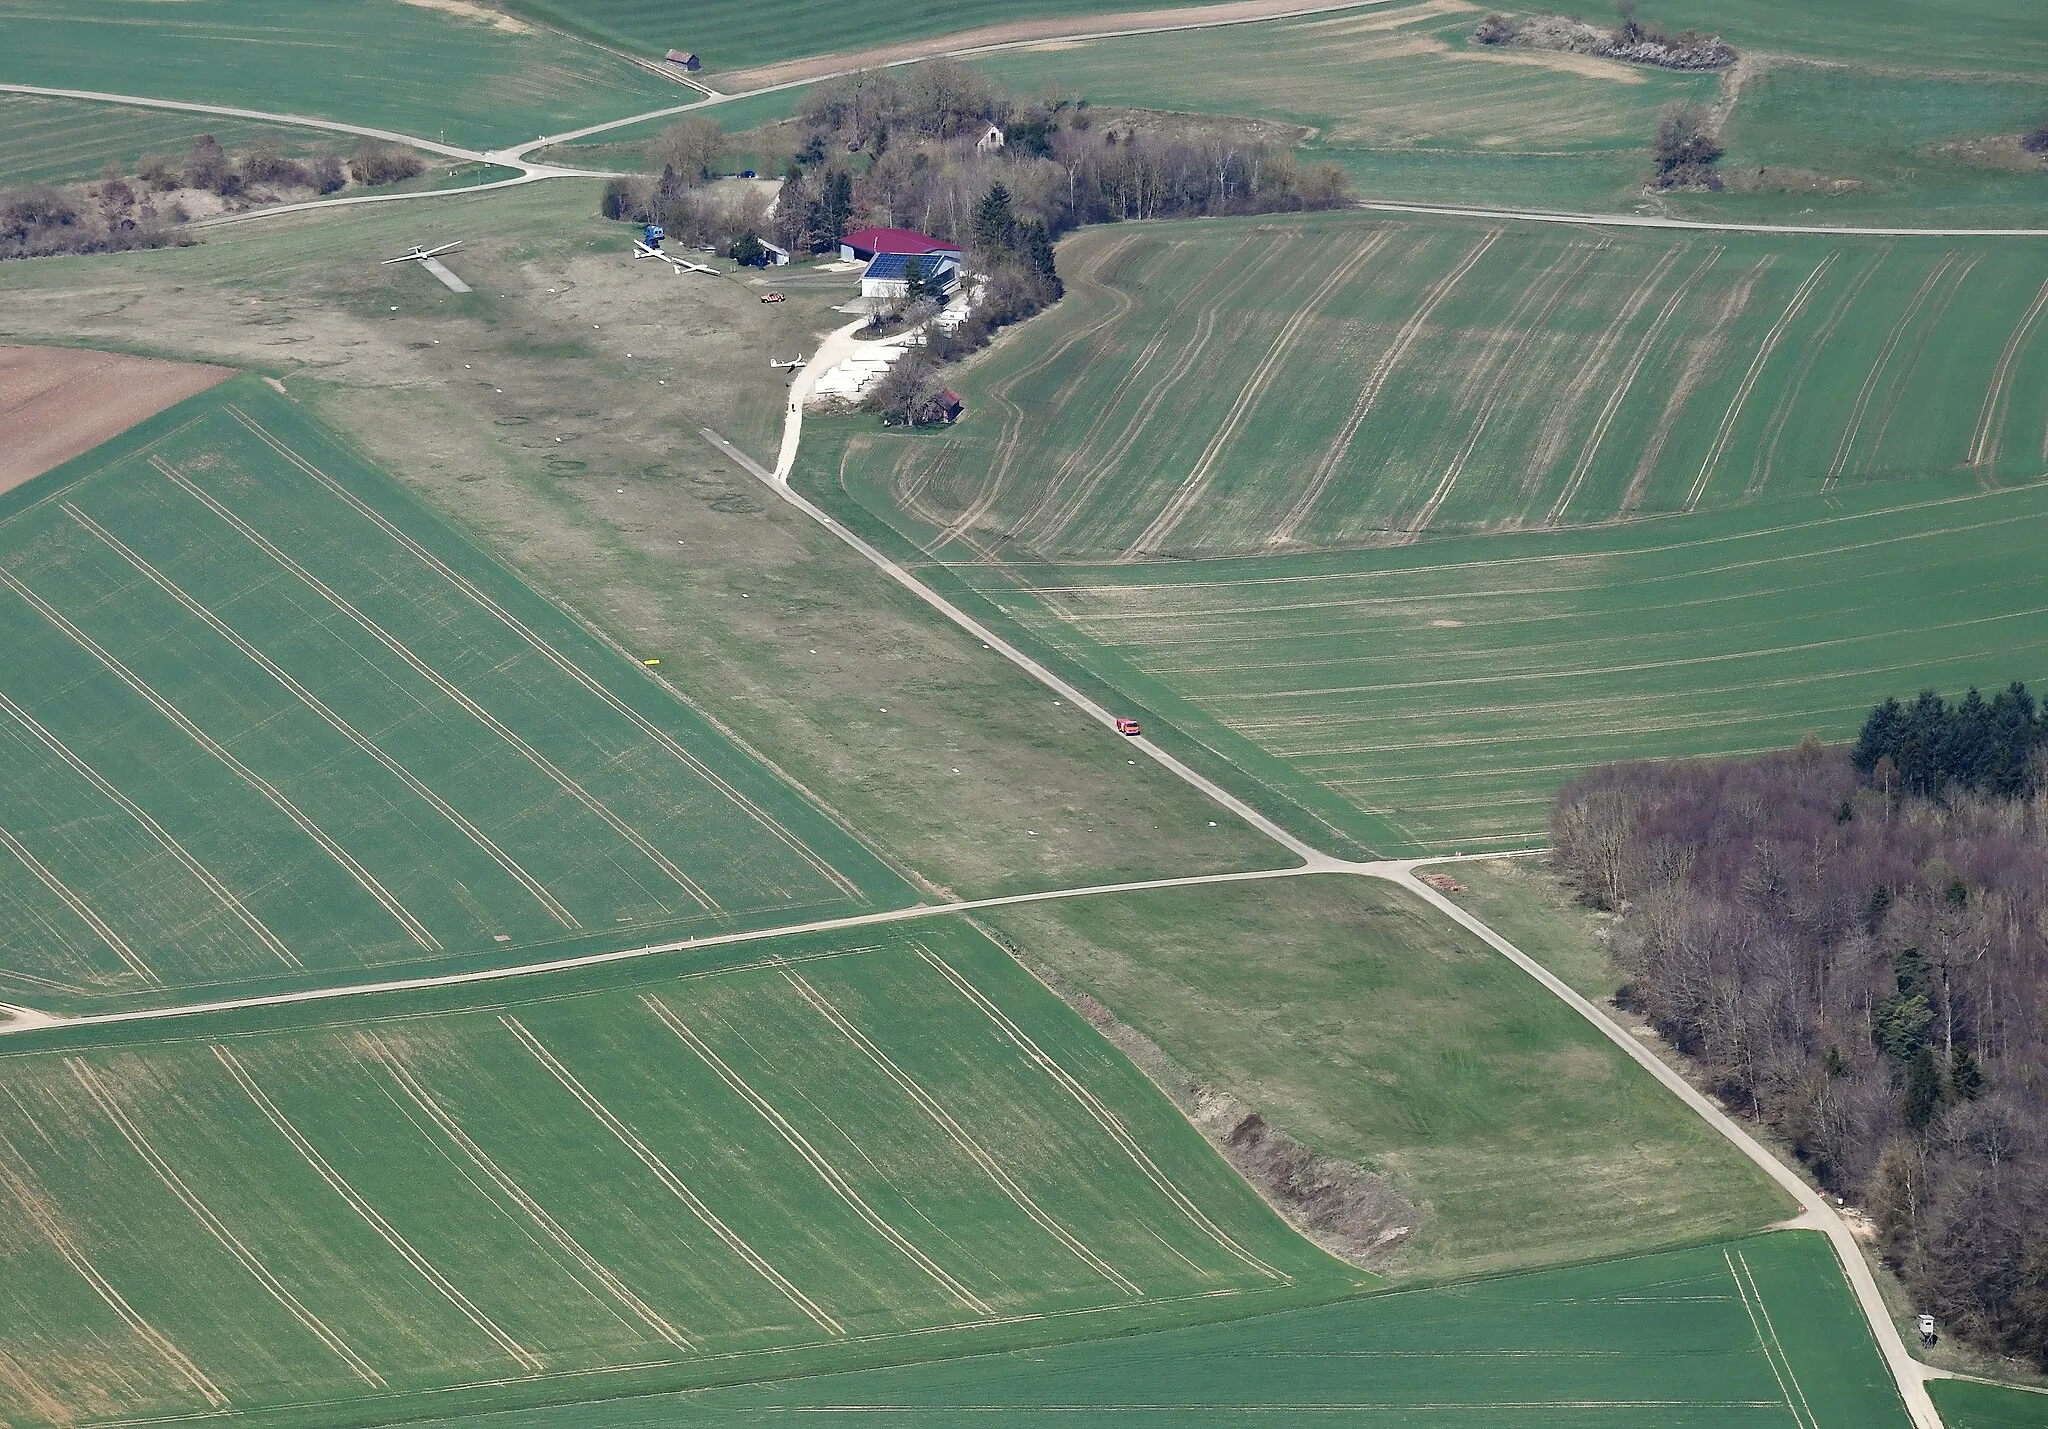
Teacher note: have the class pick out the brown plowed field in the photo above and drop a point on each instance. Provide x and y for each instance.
(59, 402)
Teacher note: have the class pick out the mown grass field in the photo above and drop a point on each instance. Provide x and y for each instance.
(1752, 1333)
(1359, 1021)
(799, 1154)
(264, 717)
(1251, 387)
(412, 68)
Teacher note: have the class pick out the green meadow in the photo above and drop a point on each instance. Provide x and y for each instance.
(804, 1154)
(1968, 1405)
(1753, 1332)
(267, 720)
(416, 69)
(1346, 1011)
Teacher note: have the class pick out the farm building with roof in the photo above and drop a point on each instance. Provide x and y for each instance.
(888, 275)
(865, 243)
(686, 58)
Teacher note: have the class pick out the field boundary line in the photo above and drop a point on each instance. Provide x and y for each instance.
(1594, 439)
(29, 1197)
(1252, 393)
(431, 1107)
(1237, 278)
(341, 726)
(270, 792)
(1103, 1116)
(1765, 1344)
(1761, 465)
(1757, 1295)
(114, 941)
(190, 1199)
(1861, 407)
(555, 657)
(446, 686)
(961, 1137)
(1988, 436)
(1895, 383)
(1726, 431)
(370, 1214)
(1339, 449)
(649, 950)
(1014, 419)
(135, 811)
(1906, 1372)
(1497, 386)
(670, 1181)
(802, 1145)
(1059, 514)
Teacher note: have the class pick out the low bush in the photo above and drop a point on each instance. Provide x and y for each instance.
(374, 165)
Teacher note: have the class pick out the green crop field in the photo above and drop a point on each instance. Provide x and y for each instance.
(1351, 1014)
(1756, 1332)
(1249, 387)
(1434, 697)
(264, 718)
(732, 34)
(798, 1154)
(381, 63)
(1965, 1405)
(57, 141)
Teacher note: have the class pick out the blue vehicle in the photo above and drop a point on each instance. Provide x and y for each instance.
(654, 235)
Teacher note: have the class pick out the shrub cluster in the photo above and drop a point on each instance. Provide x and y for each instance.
(374, 165)
(2036, 142)
(37, 221)
(1864, 969)
(1629, 41)
(1686, 147)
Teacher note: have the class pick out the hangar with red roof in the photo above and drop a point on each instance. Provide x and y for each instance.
(865, 243)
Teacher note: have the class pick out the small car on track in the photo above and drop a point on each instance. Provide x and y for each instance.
(1127, 727)
(771, 297)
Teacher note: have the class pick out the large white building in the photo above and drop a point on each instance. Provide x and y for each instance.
(888, 275)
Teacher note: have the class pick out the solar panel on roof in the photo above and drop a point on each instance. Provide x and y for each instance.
(897, 265)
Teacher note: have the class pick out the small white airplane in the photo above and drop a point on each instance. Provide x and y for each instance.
(676, 265)
(793, 363)
(430, 259)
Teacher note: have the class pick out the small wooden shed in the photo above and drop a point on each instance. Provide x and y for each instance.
(686, 58)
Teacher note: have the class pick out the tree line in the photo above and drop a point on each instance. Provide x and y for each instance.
(144, 210)
(1852, 946)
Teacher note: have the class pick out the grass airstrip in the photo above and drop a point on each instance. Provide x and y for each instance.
(265, 719)
(1733, 494)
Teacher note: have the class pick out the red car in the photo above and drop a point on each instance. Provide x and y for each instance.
(771, 297)
(1127, 726)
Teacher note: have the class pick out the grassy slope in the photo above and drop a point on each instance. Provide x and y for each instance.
(1330, 380)
(379, 63)
(1536, 1350)
(440, 1198)
(1360, 1023)
(416, 776)
(1434, 695)
(1520, 900)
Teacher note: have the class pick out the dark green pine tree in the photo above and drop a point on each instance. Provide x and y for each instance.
(995, 226)
(1923, 1089)
(1965, 1077)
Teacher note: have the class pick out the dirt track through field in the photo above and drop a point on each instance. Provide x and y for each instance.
(60, 402)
